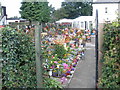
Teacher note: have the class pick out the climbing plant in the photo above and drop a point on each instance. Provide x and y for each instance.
(111, 58)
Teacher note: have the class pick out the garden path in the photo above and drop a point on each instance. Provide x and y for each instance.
(85, 74)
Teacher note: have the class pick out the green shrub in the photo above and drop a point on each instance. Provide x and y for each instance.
(59, 50)
(19, 59)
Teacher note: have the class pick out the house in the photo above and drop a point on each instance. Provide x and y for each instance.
(6, 21)
(108, 10)
(15, 20)
(3, 15)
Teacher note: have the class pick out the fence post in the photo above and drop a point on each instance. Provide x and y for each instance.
(38, 29)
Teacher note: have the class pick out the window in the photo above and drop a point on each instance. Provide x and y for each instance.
(90, 25)
(106, 10)
(81, 24)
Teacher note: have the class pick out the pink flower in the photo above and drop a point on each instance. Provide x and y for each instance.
(51, 67)
(73, 46)
(63, 80)
(55, 62)
(65, 66)
(52, 56)
(75, 60)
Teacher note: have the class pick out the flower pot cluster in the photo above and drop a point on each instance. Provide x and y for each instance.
(61, 52)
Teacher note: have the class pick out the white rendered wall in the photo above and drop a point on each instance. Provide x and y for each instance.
(112, 10)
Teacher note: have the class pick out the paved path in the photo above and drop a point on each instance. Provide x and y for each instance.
(84, 76)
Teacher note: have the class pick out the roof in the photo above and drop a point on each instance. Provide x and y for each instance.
(105, 1)
(15, 19)
(64, 20)
(84, 18)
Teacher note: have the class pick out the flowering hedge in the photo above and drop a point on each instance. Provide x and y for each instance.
(19, 59)
(111, 57)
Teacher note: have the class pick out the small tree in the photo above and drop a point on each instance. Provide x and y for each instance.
(75, 9)
(35, 11)
(59, 14)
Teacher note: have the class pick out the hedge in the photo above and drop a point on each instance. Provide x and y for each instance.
(19, 69)
(111, 57)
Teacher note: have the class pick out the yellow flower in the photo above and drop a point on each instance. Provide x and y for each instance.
(64, 71)
(59, 61)
(54, 71)
(68, 54)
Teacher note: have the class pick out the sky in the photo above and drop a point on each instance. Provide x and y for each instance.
(12, 6)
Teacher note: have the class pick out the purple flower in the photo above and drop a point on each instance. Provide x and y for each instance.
(74, 65)
(68, 71)
(63, 75)
(77, 60)
(72, 69)
(53, 66)
(54, 74)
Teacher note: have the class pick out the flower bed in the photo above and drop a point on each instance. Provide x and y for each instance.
(61, 54)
